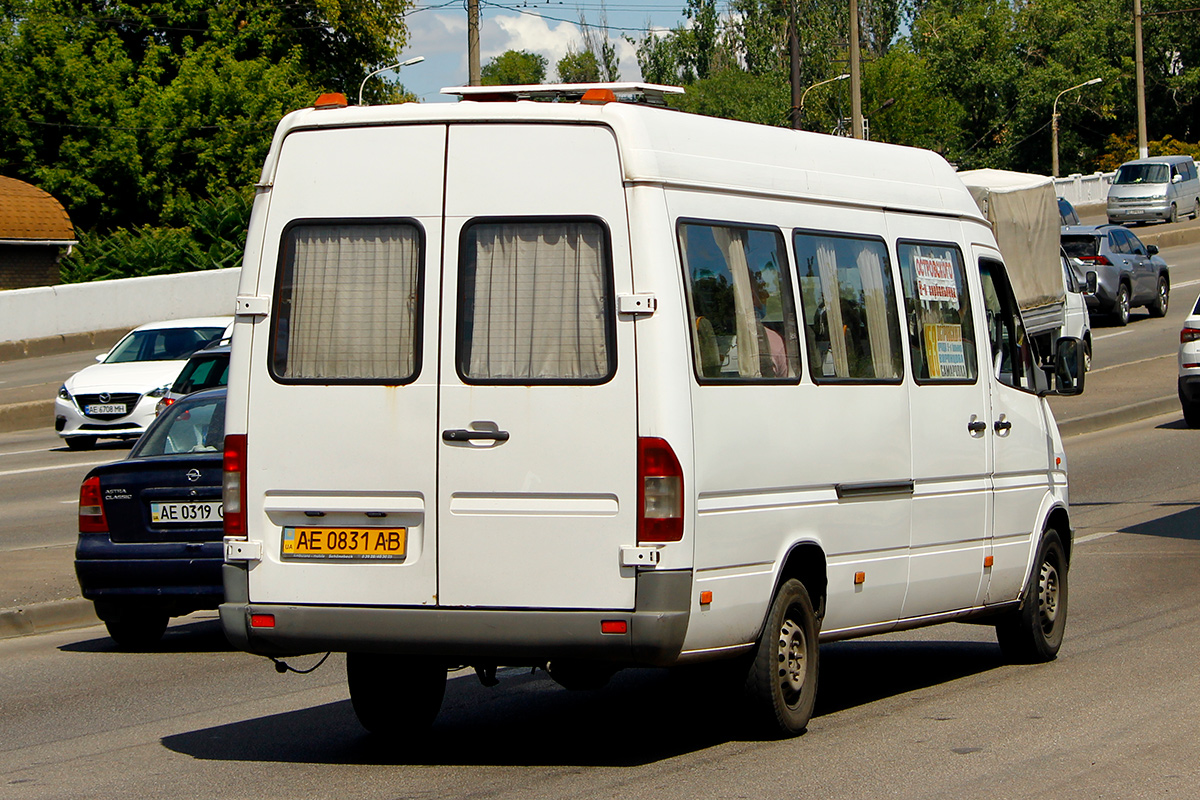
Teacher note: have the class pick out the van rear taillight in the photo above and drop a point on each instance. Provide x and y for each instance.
(233, 485)
(91, 507)
(660, 492)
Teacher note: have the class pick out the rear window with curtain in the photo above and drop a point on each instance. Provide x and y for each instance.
(536, 302)
(347, 303)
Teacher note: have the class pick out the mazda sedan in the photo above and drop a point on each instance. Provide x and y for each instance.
(150, 526)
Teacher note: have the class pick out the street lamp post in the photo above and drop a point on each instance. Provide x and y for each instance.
(800, 108)
(408, 63)
(1054, 123)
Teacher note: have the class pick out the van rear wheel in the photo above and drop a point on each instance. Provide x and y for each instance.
(1034, 633)
(395, 696)
(781, 684)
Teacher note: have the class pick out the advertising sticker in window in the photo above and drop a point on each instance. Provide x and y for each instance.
(935, 279)
(944, 351)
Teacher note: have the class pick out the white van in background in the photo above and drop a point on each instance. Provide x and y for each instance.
(616, 385)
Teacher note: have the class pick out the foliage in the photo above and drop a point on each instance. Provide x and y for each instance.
(734, 94)
(578, 67)
(514, 67)
(210, 235)
(1124, 148)
(128, 112)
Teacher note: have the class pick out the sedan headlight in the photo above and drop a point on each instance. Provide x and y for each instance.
(63, 394)
(159, 392)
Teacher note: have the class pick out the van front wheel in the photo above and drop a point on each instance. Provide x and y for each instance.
(395, 696)
(781, 685)
(1034, 633)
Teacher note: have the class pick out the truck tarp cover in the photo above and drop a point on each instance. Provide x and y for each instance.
(1024, 212)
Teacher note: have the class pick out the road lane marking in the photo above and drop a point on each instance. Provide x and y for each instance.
(1111, 335)
(56, 466)
(1132, 363)
(27, 452)
(1091, 537)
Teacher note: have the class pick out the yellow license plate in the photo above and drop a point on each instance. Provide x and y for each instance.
(347, 543)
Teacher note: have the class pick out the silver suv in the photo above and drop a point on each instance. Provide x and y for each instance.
(1128, 273)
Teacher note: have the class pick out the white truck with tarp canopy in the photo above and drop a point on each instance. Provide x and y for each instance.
(1023, 210)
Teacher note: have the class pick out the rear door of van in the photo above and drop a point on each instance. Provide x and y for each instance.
(537, 416)
(443, 376)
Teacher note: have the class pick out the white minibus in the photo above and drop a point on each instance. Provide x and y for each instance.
(560, 379)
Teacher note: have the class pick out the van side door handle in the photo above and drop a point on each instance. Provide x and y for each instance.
(1002, 426)
(977, 426)
(463, 435)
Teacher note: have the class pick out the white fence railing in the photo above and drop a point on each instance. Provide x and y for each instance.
(125, 303)
(1084, 189)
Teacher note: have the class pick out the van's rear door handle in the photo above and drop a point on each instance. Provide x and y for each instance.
(1002, 425)
(463, 435)
(977, 426)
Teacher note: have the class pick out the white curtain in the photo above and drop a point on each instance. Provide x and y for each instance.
(353, 302)
(538, 292)
(870, 268)
(827, 263)
(733, 247)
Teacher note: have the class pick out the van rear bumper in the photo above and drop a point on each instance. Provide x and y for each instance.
(654, 634)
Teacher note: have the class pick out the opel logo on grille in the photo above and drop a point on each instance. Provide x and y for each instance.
(193, 475)
(105, 397)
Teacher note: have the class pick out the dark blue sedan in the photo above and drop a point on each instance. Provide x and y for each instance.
(150, 526)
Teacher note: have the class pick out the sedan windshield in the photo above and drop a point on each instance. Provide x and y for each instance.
(192, 426)
(162, 344)
(1141, 173)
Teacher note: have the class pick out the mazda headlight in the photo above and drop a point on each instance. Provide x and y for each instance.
(63, 394)
(159, 392)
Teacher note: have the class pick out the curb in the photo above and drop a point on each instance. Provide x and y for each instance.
(53, 615)
(62, 343)
(27, 415)
(1119, 416)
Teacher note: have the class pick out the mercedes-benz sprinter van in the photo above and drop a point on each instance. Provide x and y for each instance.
(589, 384)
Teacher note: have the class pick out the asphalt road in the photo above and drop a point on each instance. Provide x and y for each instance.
(925, 714)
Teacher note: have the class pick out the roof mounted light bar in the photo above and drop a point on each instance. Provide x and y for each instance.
(648, 93)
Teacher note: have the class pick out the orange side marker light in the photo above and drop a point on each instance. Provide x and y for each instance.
(860, 578)
(705, 598)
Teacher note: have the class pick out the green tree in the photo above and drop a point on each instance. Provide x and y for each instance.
(578, 67)
(514, 67)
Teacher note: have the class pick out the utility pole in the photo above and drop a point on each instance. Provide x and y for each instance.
(794, 57)
(1143, 149)
(856, 117)
(474, 74)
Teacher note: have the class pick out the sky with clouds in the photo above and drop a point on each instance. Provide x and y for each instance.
(438, 31)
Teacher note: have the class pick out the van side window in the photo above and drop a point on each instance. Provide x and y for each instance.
(1011, 353)
(535, 302)
(941, 333)
(346, 303)
(743, 317)
(849, 302)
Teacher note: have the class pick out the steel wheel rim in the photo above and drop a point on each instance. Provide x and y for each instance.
(1048, 596)
(792, 657)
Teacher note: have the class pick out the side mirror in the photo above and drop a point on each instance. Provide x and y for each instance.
(1090, 281)
(1152, 249)
(100, 357)
(1176, 178)
(1068, 366)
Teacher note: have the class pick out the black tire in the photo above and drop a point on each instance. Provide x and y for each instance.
(81, 442)
(1087, 356)
(1034, 633)
(1162, 298)
(781, 683)
(1120, 309)
(396, 697)
(1196, 209)
(137, 630)
(1191, 414)
(1174, 213)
